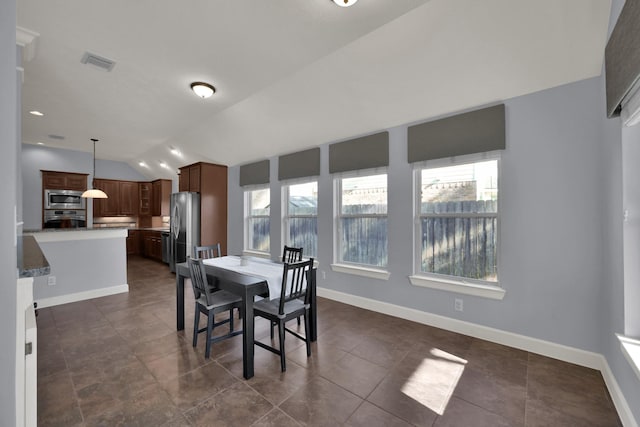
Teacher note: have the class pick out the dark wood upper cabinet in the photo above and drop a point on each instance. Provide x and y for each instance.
(194, 177)
(161, 197)
(128, 198)
(52, 180)
(111, 205)
(183, 179)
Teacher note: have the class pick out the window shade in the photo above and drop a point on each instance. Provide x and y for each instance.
(622, 56)
(254, 173)
(360, 153)
(299, 165)
(474, 132)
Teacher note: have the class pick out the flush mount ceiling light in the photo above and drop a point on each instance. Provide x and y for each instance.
(345, 3)
(203, 90)
(94, 193)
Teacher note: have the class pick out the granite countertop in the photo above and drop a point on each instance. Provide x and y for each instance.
(31, 260)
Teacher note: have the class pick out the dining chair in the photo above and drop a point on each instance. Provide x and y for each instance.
(294, 302)
(210, 301)
(291, 254)
(205, 252)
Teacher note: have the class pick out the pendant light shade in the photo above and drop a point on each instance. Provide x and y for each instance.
(94, 193)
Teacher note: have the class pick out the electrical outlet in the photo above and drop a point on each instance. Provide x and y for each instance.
(458, 304)
(51, 280)
(324, 275)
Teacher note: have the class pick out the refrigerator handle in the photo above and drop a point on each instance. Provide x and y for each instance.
(175, 221)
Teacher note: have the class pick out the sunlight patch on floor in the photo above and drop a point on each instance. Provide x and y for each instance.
(432, 383)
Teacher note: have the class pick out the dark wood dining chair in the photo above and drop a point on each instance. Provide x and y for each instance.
(294, 302)
(205, 252)
(210, 301)
(291, 254)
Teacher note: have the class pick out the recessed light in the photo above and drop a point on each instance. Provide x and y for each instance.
(36, 113)
(164, 165)
(40, 143)
(143, 164)
(175, 151)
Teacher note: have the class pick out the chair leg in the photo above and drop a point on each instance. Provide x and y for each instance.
(283, 363)
(231, 320)
(210, 320)
(306, 334)
(272, 324)
(298, 321)
(196, 325)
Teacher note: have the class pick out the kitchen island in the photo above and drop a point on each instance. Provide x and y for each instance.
(84, 263)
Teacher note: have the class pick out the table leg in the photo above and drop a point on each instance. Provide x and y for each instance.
(313, 309)
(180, 301)
(247, 336)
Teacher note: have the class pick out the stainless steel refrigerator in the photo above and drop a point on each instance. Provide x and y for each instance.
(185, 226)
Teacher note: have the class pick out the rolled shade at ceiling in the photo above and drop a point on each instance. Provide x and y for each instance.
(360, 153)
(254, 173)
(622, 57)
(474, 132)
(299, 165)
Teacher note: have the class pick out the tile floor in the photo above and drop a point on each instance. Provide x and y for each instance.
(118, 360)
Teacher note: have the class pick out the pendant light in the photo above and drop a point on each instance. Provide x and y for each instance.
(94, 193)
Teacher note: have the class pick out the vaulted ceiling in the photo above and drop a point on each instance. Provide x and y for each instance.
(289, 74)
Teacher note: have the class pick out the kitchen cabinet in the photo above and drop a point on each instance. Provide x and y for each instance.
(145, 194)
(161, 198)
(122, 198)
(64, 180)
(133, 242)
(151, 244)
(210, 180)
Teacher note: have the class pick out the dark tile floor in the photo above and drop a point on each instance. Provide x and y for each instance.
(118, 360)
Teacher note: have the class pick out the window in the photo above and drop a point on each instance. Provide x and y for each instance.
(362, 220)
(457, 235)
(257, 204)
(301, 217)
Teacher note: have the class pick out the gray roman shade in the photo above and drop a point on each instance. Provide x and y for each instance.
(622, 56)
(474, 132)
(360, 153)
(254, 173)
(299, 165)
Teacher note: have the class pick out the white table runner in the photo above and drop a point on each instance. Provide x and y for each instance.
(269, 271)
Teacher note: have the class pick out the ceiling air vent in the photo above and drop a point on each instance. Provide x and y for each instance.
(98, 61)
(58, 137)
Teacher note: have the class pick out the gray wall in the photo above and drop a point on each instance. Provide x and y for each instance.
(8, 274)
(36, 158)
(561, 237)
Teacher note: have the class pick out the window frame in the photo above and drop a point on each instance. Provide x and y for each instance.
(366, 270)
(247, 217)
(458, 284)
(286, 217)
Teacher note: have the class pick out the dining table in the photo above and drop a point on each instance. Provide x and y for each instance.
(247, 277)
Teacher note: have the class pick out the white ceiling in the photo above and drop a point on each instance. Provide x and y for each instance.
(289, 74)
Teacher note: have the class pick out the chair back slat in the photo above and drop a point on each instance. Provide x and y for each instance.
(291, 254)
(199, 281)
(206, 252)
(295, 279)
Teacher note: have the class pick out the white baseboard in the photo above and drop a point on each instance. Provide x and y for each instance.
(546, 348)
(81, 296)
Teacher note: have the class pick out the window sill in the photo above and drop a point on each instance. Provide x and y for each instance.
(372, 273)
(485, 291)
(258, 254)
(631, 350)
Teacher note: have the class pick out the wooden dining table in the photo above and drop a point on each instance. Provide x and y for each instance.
(246, 286)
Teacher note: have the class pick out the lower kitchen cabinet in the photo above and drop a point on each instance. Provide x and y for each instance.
(133, 242)
(151, 244)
